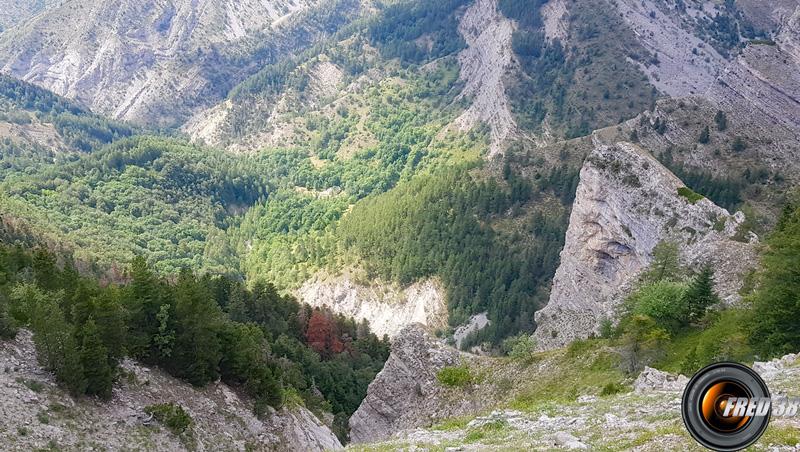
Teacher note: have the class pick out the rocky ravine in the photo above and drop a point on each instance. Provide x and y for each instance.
(626, 203)
(387, 308)
(484, 64)
(35, 413)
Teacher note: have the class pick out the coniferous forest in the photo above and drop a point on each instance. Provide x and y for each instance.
(197, 328)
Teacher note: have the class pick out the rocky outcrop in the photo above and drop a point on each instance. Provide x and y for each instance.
(476, 323)
(484, 64)
(772, 368)
(222, 419)
(555, 16)
(149, 61)
(13, 12)
(406, 394)
(300, 430)
(626, 203)
(387, 308)
(655, 380)
(594, 423)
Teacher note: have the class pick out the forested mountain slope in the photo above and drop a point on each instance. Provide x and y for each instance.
(155, 62)
(417, 144)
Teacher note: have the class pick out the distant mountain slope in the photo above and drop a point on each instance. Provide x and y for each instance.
(154, 62)
(37, 126)
(13, 12)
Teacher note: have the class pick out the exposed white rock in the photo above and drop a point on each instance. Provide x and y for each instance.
(769, 369)
(301, 430)
(626, 203)
(326, 79)
(387, 308)
(655, 380)
(484, 64)
(555, 16)
(568, 441)
(476, 323)
(222, 420)
(763, 83)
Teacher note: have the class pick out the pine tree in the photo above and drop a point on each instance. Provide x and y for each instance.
(196, 352)
(705, 136)
(722, 121)
(95, 361)
(71, 371)
(143, 300)
(776, 302)
(665, 265)
(700, 295)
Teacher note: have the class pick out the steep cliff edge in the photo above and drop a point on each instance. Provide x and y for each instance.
(37, 414)
(406, 393)
(626, 203)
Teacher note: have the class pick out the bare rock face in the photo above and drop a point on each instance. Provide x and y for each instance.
(133, 59)
(301, 430)
(686, 64)
(626, 203)
(221, 419)
(763, 83)
(388, 309)
(484, 64)
(655, 380)
(405, 394)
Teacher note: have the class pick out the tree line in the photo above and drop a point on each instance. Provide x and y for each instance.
(197, 328)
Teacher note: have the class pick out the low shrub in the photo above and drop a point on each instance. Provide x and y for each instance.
(690, 195)
(455, 376)
(171, 415)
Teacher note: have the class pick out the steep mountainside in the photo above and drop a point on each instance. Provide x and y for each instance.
(13, 12)
(626, 204)
(36, 413)
(483, 109)
(155, 62)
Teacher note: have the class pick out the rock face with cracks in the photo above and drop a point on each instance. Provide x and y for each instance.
(626, 204)
(406, 393)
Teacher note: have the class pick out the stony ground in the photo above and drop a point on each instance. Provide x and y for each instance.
(35, 414)
(646, 418)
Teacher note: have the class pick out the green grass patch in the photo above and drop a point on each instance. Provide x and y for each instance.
(584, 368)
(33, 385)
(690, 195)
(485, 431)
(455, 376)
(612, 388)
(780, 435)
(450, 424)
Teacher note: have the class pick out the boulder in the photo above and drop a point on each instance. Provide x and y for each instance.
(655, 380)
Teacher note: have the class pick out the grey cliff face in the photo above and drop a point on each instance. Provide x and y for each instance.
(626, 203)
(405, 394)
